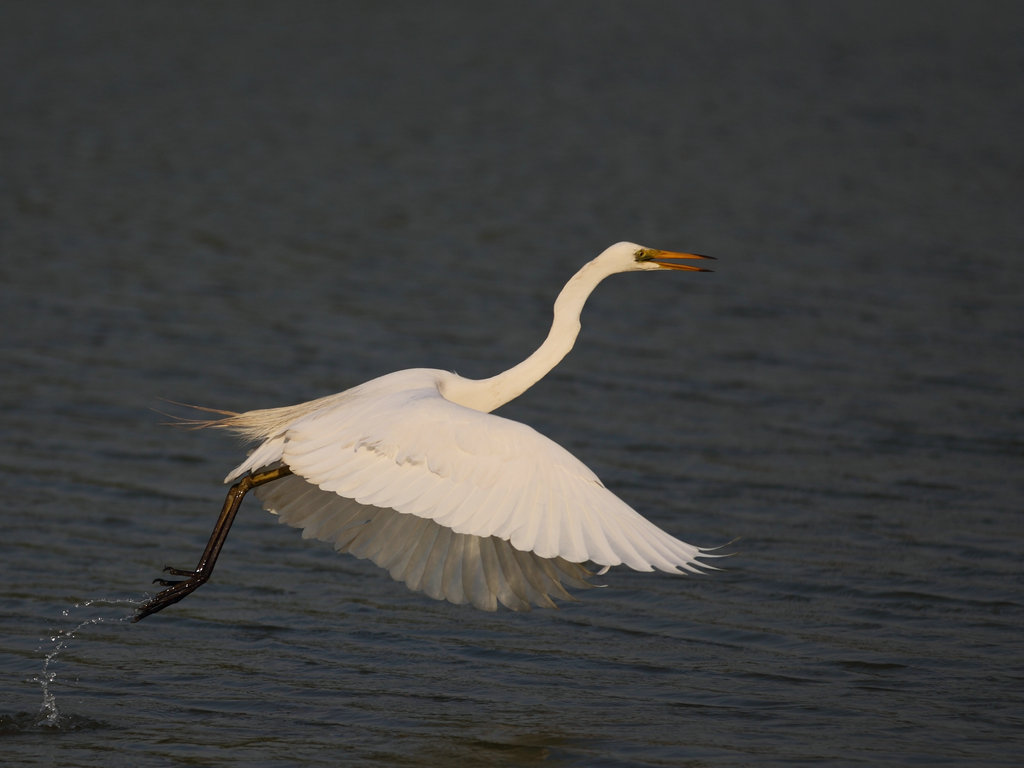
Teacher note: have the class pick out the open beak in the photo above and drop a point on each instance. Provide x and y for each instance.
(666, 260)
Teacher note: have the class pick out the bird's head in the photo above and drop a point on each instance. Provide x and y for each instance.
(630, 257)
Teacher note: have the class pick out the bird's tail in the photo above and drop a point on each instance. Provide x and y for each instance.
(250, 425)
(224, 422)
(259, 424)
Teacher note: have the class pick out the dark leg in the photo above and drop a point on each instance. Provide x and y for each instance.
(176, 590)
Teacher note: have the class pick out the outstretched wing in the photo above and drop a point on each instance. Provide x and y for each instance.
(471, 473)
(427, 557)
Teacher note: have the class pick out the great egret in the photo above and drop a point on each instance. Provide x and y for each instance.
(412, 471)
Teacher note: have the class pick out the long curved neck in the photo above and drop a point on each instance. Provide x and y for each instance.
(487, 394)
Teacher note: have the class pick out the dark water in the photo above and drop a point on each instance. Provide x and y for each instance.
(247, 206)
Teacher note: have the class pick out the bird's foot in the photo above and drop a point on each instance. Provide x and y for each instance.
(180, 571)
(175, 591)
(189, 574)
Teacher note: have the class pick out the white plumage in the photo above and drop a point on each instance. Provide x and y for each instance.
(412, 471)
(392, 467)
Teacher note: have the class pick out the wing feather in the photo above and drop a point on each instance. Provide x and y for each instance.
(467, 470)
(451, 571)
(425, 556)
(464, 505)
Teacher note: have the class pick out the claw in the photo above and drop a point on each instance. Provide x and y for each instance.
(175, 591)
(178, 571)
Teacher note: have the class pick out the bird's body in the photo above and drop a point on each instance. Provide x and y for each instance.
(414, 472)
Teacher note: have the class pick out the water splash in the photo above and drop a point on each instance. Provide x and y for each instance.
(49, 715)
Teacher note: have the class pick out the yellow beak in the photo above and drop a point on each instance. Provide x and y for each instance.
(662, 259)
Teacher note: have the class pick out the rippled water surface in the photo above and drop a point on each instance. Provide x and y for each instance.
(248, 207)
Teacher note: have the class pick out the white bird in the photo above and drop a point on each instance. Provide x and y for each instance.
(412, 471)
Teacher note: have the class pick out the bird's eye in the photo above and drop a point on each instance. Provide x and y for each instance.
(643, 254)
